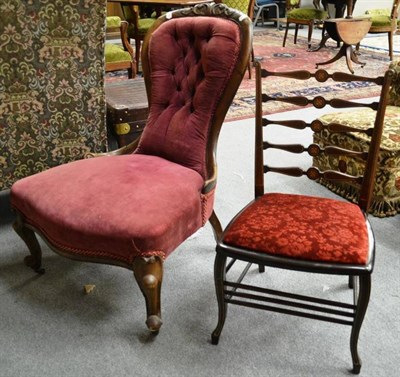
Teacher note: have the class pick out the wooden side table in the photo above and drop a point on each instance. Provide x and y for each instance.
(350, 31)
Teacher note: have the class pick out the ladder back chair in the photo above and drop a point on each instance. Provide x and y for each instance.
(163, 186)
(302, 232)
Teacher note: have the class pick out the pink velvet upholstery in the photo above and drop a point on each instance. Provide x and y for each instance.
(185, 81)
(119, 207)
(302, 227)
(133, 207)
(123, 207)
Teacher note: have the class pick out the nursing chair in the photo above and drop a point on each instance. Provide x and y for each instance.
(119, 56)
(386, 193)
(135, 206)
(384, 21)
(297, 231)
(295, 14)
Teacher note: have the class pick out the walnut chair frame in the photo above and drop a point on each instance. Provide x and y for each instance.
(147, 265)
(130, 65)
(239, 240)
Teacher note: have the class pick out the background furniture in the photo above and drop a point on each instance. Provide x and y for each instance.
(384, 21)
(134, 209)
(52, 108)
(386, 195)
(119, 57)
(301, 232)
(246, 7)
(138, 27)
(349, 32)
(302, 16)
(340, 7)
(127, 111)
(261, 5)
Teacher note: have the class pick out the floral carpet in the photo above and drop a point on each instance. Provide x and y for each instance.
(268, 48)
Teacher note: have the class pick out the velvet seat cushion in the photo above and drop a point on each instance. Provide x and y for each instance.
(307, 14)
(302, 227)
(116, 207)
(380, 21)
(115, 53)
(113, 22)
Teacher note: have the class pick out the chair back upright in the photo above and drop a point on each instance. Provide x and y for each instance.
(192, 71)
(292, 4)
(318, 149)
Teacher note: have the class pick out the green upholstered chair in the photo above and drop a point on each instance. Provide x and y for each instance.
(302, 16)
(386, 199)
(385, 21)
(118, 57)
(138, 27)
(246, 7)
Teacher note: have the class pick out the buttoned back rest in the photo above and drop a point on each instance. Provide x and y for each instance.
(193, 63)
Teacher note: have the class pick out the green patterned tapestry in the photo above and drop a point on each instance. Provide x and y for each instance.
(51, 84)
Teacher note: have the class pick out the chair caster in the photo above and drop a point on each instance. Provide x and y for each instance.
(154, 323)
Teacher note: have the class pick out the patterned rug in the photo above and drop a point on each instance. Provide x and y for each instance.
(268, 47)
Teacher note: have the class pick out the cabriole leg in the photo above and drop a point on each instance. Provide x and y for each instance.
(219, 277)
(28, 236)
(148, 273)
(362, 304)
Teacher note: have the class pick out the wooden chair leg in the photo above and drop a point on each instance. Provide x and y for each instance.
(148, 273)
(219, 277)
(28, 236)
(362, 304)
(138, 43)
(310, 32)
(351, 281)
(296, 31)
(390, 41)
(286, 33)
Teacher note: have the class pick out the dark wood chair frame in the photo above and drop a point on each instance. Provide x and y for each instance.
(148, 272)
(117, 66)
(233, 292)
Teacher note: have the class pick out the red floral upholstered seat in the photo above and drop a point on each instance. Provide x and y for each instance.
(302, 227)
(304, 232)
(134, 206)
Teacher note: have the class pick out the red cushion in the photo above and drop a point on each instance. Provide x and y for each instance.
(117, 207)
(191, 62)
(302, 227)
